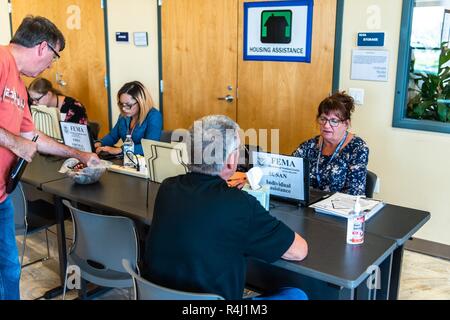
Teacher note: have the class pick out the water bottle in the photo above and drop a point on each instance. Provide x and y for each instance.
(128, 145)
(355, 225)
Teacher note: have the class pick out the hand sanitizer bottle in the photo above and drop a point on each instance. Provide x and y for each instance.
(355, 225)
(128, 145)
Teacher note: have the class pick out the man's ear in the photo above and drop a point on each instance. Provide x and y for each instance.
(40, 48)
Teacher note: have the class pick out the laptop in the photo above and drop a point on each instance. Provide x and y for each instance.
(288, 178)
(79, 136)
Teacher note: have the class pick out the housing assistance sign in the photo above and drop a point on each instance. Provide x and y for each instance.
(278, 30)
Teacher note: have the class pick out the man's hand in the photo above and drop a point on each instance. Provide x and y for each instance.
(24, 148)
(88, 158)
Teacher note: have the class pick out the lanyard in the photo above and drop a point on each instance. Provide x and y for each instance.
(130, 131)
(336, 151)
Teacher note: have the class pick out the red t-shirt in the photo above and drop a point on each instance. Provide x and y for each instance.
(15, 114)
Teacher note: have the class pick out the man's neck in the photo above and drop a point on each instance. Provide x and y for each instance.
(16, 52)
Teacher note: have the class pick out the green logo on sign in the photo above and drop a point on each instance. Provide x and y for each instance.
(276, 26)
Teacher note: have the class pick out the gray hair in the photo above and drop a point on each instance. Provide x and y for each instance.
(212, 140)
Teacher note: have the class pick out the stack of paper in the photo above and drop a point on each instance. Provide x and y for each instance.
(341, 204)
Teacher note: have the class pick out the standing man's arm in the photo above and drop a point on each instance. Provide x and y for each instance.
(47, 145)
(21, 147)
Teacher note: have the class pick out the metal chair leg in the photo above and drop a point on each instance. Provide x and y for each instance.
(65, 283)
(41, 259)
(48, 247)
(24, 246)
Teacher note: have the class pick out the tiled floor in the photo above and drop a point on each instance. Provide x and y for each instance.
(423, 277)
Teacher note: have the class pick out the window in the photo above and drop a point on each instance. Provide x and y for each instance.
(422, 99)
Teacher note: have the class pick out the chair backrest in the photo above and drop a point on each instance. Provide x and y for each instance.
(95, 129)
(103, 240)
(168, 136)
(146, 290)
(371, 180)
(164, 159)
(20, 210)
(47, 120)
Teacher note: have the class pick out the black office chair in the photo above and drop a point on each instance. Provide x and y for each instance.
(169, 136)
(371, 180)
(247, 153)
(94, 127)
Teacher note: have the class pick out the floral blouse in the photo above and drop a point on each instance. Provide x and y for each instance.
(345, 173)
(74, 110)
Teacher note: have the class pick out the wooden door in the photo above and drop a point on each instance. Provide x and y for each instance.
(82, 67)
(199, 59)
(285, 95)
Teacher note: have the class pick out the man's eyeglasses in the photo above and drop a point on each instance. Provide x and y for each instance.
(36, 100)
(127, 106)
(56, 54)
(333, 122)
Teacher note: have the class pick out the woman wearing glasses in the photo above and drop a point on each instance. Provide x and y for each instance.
(338, 159)
(138, 118)
(41, 92)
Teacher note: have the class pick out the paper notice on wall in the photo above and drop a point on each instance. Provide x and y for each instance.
(370, 65)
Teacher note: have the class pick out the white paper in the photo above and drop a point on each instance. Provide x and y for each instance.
(140, 39)
(370, 65)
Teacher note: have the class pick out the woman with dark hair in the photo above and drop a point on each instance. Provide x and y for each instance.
(138, 118)
(338, 159)
(41, 92)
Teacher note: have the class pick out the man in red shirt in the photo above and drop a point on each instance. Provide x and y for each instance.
(33, 48)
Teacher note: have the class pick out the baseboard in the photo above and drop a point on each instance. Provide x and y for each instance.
(430, 248)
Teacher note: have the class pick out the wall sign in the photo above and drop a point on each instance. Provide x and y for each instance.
(76, 136)
(140, 39)
(371, 39)
(278, 30)
(121, 36)
(370, 65)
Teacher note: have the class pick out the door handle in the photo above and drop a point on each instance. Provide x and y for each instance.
(59, 80)
(228, 98)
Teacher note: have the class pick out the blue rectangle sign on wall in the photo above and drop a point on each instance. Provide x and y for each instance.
(122, 36)
(370, 39)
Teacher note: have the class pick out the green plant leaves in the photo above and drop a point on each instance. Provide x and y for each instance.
(442, 111)
(430, 96)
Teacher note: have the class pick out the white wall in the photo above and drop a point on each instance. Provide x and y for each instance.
(413, 166)
(5, 29)
(127, 61)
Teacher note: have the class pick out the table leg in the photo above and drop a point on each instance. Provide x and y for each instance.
(62, 252)
(397, 261)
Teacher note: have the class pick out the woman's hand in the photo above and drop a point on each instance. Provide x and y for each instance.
(110, 150)
(97, 145)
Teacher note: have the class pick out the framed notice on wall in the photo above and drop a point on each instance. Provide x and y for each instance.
(278, 30)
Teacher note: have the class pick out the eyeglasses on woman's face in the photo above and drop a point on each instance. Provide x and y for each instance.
(128, 105)
(35, 100)
(333, 121)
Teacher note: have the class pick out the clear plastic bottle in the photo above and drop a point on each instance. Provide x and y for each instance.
(128, 145)
(356, 225)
